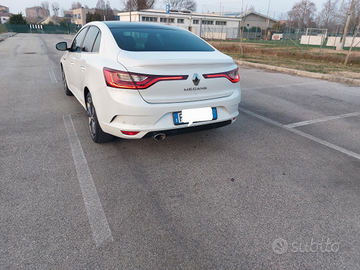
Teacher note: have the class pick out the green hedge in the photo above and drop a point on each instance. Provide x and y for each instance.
(3, 28)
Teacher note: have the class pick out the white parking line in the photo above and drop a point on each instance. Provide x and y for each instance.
(330, 145)
(52, 76)
(95, 212)
(44, 53)
(319, 120)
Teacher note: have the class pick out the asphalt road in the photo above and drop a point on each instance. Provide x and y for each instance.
(278, 189)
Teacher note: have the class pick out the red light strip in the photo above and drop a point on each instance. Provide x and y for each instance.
(225, 75)
(113, 80)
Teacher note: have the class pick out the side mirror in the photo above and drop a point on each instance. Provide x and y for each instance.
(61, 46)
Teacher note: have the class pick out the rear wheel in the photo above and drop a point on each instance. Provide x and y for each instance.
(66, 88)
(96, 133)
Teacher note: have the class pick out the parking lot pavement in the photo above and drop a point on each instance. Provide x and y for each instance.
(278, 189)
(4, 36)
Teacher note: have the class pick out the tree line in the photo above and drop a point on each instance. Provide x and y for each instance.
(332, 16)
(304, 14)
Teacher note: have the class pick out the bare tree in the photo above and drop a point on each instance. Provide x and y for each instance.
(55, 7)
(354, 15)
(281, 16)
(250, 9)
(75, 5)
(328, 16)
(45, 5)
(104, 10)
(303, 13)
(136, 5)
(182, 4)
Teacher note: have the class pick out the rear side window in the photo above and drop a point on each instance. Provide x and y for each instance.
(76, 45)
(158, 39)
(90, 39)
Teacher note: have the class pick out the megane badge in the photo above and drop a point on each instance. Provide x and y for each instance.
(196, 79)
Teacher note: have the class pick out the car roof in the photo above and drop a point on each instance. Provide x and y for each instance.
(121, 24)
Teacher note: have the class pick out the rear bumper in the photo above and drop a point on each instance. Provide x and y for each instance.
(178, 131)
(129, 112)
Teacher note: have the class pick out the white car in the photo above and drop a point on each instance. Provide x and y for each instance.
(145, 79)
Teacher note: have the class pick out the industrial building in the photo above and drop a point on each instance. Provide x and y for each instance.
(204, 25)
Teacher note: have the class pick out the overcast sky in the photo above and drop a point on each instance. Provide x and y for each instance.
(276, 6)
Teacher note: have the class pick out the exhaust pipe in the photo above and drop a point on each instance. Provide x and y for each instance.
(159, 136)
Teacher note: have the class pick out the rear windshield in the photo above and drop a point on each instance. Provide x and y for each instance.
(158, 39)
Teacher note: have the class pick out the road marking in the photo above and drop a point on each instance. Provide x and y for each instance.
(323, 142)
(328, 118)
(95, 212)
(15, 50)
(52, 76)
(44, 53)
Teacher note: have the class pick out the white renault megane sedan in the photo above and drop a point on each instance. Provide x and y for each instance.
(140, 80)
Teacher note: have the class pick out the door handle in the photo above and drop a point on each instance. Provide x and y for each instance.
(72, 63)
(82, 68)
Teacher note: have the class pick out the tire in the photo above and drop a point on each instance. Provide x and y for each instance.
(66, 88)
(96, 133)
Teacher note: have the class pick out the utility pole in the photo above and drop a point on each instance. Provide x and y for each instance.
(268, 14)
(352, 43)
(346, 27)
(130, 10)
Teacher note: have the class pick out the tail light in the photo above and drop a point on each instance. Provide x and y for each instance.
(232, 75)
(127, 80)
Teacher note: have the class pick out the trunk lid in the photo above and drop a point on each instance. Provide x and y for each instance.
(181, 63)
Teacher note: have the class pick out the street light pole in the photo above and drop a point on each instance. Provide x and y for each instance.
(55, 11)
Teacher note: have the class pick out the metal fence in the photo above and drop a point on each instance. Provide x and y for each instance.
(42, 29)
(232, 33)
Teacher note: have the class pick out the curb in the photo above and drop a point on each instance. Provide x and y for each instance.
(4, 36)
(302, 73)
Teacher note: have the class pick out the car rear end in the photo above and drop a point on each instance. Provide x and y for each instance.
(167, 88)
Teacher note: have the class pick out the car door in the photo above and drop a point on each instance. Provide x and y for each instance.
(73, 65)
(87, 61)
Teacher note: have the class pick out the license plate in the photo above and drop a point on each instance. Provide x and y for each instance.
(190, 116)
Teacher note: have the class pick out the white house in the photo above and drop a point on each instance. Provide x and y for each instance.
(204, 25)
(4, 17)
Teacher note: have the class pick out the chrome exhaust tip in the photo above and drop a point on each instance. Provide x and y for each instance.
(159, 136)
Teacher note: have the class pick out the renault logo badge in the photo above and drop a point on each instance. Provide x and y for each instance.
(196, 79)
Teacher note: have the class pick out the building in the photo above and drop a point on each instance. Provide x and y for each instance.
(254, 19)
(4, 17)
(68, 13)
(4, 9)
(79, 15)
(36, 13)
(49, 20)
(209, 26)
